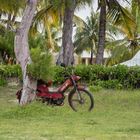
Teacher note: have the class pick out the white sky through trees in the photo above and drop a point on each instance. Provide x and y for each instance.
(85, 11)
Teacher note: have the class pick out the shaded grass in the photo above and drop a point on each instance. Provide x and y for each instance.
(115, 116)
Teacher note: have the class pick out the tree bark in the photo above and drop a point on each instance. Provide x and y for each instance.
(91, 57)
(60, 57)
(102, 29)
(9, 21)
(22, 52)
(51, 43)
(68, 48)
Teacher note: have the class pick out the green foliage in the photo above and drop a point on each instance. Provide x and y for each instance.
(2, 82)
(96, 76)
(7, 45)
(10, 71)
(94, 88)
(41, 64)
(59, 75)
(109, 84)
(110, 77)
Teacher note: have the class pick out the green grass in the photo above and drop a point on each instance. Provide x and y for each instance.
(116, 116)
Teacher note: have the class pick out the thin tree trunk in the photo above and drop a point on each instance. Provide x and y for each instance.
(22, 51)
(60, 57)
(91, 58)
(51, 43)
(13, 19)
(9, 22)
(102, 29)
(68, 48)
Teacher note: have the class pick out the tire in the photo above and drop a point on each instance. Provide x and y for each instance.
(86, 105)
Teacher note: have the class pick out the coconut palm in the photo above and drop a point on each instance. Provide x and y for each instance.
(86, 36)
(62, 10)
(47, 20)
(7, 47)
(67, 43)
(10, 9)
(67, 17)
(8, 12)
(128, 46)
(120, 16)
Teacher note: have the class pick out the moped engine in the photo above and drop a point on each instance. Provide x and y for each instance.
(51, 98)
(51, 101)
(59, 102)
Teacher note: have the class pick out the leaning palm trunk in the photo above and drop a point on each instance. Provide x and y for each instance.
(22, 52)
(102, 28)
(68, 48)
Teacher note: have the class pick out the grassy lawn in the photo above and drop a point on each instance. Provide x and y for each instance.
(116, 116)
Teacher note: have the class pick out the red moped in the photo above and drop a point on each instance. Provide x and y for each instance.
(79, 98)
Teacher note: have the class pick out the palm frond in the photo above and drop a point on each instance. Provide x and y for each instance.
(122, 18)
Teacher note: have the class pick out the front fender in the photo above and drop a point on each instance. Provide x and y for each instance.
(81, 87)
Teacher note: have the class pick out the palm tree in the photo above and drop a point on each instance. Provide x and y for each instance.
(128, 46)
(120, 17)
(102, 29)
(86, 36)
(121, 50)
(67, 44)
(10, 9)
(7, 47)
(48, 18)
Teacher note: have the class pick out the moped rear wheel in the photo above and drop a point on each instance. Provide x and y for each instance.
(86, 103)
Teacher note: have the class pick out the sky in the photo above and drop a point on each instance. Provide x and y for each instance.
(85, 11)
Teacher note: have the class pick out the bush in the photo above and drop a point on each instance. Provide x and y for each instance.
(41, 65)
(116, 77)
(110, 77)
(2, 82)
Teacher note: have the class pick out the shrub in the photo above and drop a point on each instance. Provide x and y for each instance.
(94, 75)
(2, 82)
(110, 77)
(41, 65)
(10, 71)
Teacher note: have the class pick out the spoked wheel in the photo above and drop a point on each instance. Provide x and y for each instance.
(86, 103)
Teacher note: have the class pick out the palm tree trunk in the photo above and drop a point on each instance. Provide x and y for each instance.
(22, 51)
(9, 21)
(102, 29)
(91, 58)
(68, 48)
(13, 19)
(51, 43)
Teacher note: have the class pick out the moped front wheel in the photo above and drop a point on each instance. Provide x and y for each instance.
(83, 103)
